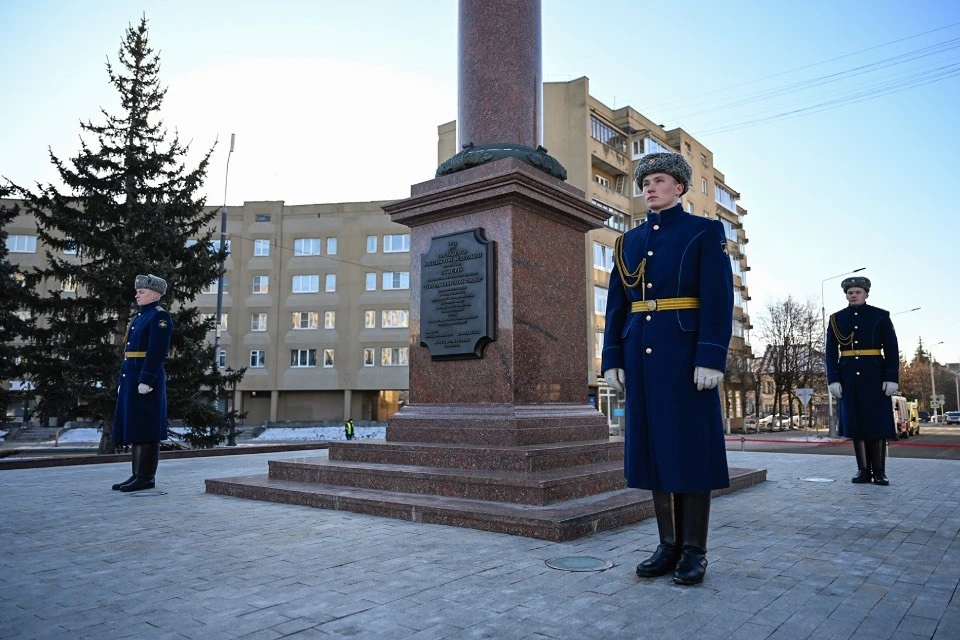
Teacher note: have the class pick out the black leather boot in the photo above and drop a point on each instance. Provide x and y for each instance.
(863, 463)
(664, 559)
(878, 461)
(146, 457)
(694, 522)
(133, 474)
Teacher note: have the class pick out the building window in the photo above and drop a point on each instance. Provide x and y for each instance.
(703, 160)
(331, 246)
(396, 280)
(686, 145)
(210, 320)
(215, 246)
(598, 344)
(212, 287)
(729, 229)
(395, 357)
(328, 358)
(305, 320)
(258, 322)
(368, 357)
(617, 220)
(22, 244)
(24, 316)
(330, 282)
(371, 284)
(262, 217)
(303, 358)
(607, 135)
(602, 257)
(738, 328)
(329, 319)
(703, 185)
(261, 284)
(306, 247)
(222, 359)
(599, 301)
(369, 319)
(258, 359)
(72, 249)
(306, 284)
(689, 207)
(371, 244)
(261, 247)
(394, 319)
(398, 243)
(724, 198)
(600, 180)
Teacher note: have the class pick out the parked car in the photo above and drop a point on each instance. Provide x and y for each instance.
(924, 416)
(777, 420)
(952, 417)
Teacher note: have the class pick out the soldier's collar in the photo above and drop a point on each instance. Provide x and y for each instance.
(666, 216)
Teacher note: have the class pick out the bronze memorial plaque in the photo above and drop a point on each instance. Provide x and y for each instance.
(458, 295)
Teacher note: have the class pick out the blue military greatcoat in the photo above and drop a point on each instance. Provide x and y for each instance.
(142, 418)
(674, 434)
(865, 411)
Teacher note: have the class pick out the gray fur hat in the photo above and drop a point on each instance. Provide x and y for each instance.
(856, 281)
(152, 282)
(672, 164)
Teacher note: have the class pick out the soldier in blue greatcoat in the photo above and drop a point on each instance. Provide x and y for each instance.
(863, 369)
(140, 418)
(668, 326)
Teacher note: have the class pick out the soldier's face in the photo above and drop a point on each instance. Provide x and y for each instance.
(146, 296)
(661, 191)
(856, 296)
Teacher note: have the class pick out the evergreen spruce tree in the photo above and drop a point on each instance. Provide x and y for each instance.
(133, 207)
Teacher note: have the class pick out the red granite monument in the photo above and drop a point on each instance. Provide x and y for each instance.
(498, 434)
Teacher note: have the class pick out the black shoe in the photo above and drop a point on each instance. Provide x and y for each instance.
(663, 561)
(877, 450)
(691, 568)
(862, 476)
(117, 486)
(139, 484)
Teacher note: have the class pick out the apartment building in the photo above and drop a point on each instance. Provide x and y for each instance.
(316, 305)
(600, 147)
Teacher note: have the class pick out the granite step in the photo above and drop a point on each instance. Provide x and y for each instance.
(537, 488)
(524, 459)
(557, 522)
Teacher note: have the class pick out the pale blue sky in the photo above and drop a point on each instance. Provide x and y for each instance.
(335, 101)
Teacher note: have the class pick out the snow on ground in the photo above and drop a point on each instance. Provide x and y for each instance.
(3, 434)
(83, 434)
(275, 434)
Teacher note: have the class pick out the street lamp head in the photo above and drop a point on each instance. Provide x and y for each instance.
(860, 269)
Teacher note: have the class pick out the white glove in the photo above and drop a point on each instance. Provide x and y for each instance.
(706, 378)
(890, 388)
(835, 390)
(615, 378)
(144, 388)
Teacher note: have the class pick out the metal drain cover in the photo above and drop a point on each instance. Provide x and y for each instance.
(579, 563)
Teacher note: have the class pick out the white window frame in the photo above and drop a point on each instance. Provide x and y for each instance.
(329, 358)
(369, 357)
(260, 284)
(371, 282)
(398, 275)
(258, 322)
(391, 240)
(329, 319)
(21, 244)
(258, 358)
(331, 246)
(602, 257)
(296, 320)
(312, 283)
(261, 247)
(369, 319)
(222, 359)
(394, 319)
(600, 300)
(306, 247)
(330, 283)
(303, 358)
(372, 244)
(69, 284)
(215, 246)
(394, 356)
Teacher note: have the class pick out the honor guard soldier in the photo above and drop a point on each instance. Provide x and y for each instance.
(141, 415)
(863, 369)
(668, 326)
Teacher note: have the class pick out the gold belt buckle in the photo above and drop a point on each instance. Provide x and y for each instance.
(651, 305)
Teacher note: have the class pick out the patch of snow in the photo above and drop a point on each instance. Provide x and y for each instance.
(3, 434)
(78, 435)
(280, 434)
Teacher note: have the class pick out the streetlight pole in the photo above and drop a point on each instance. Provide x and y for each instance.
(933, 383)
(223, 241)
(823, 318)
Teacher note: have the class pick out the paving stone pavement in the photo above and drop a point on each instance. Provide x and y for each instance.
(789, 559)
